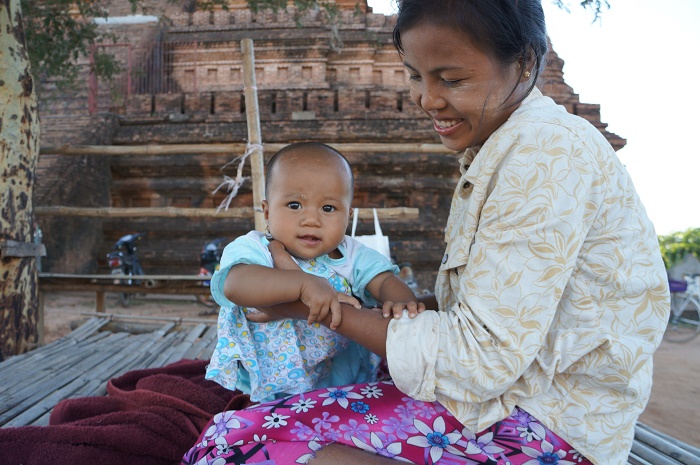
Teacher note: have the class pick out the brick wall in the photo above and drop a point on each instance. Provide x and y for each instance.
(306, 91)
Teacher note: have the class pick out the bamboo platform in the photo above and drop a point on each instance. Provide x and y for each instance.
(81, 363)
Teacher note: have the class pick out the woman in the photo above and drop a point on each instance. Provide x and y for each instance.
(552, 294)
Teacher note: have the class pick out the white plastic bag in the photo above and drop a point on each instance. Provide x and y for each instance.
(376, 241)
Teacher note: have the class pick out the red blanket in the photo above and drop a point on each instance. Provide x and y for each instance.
(149, 417)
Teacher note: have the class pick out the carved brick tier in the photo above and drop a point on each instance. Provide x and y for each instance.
(306, 91)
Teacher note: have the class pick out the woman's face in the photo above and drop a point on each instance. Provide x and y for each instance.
(460, 87)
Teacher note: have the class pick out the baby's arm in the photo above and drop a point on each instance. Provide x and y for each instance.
(395, 295)
(251, 285)
(259, 286)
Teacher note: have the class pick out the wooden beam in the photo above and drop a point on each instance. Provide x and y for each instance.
(228, 149)
(394, 213)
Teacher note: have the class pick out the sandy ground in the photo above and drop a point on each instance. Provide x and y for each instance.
(674, 407)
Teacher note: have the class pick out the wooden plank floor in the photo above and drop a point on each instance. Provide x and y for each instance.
(81, 363)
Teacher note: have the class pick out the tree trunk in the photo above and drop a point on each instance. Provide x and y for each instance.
(19, 150)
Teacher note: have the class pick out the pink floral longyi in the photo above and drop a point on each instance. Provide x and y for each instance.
(377, 418)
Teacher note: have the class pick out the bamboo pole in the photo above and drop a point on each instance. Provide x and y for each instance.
(227, 149)
(254, 137)
(395, 213)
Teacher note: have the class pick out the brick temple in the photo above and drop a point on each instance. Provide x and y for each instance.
(335, 82)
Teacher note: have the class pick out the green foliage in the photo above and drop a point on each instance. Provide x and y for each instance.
(56, 38)
(675, 246)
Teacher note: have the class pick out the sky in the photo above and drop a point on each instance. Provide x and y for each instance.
(641, 63)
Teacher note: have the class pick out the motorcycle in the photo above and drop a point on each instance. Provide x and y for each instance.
(123, 260)
(209, 260)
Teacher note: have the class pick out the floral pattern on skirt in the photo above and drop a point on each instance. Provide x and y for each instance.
(377, 418)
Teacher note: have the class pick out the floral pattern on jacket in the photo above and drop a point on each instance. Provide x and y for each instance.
(552, 291)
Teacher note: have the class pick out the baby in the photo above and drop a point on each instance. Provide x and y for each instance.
(309, 190)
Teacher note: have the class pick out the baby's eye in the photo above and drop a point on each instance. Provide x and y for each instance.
(329, 208)
(294, 205)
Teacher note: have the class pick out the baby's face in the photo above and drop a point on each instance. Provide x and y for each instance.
(308, 204)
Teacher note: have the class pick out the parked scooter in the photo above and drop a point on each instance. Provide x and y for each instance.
(209, 260)
(123, 260)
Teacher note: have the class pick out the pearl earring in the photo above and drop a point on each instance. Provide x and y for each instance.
(268, 234)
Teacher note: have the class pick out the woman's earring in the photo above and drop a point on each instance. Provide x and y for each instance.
(268, 234)
(526, 74)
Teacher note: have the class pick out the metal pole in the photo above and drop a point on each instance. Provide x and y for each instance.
(196, 45)
(128, 71)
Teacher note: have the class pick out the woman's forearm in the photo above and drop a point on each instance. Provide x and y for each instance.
(364, 326)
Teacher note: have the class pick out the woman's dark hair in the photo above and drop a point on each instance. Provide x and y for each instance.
(509, 30)
(301, 146)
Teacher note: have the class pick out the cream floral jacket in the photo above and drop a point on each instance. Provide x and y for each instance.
(552, 291)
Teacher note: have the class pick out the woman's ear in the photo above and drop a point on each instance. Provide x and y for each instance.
(526, 63)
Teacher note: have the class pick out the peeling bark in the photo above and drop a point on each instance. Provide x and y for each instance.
(19, 151)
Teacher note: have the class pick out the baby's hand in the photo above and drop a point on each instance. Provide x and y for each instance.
(350, 300)
(322, 299)
(280, 257)
(396, 309)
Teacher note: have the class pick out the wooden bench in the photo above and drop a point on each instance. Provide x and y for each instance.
(81, 363)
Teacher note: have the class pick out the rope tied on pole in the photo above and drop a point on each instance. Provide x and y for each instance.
(232, 185)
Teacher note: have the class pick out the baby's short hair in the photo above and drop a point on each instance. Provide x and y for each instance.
(301, 146)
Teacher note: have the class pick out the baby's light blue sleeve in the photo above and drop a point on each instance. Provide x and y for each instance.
(367, 264)
(247, 249)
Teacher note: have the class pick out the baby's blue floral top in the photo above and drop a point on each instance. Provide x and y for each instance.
(268, 360)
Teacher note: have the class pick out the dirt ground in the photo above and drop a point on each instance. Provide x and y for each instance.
(674, 407)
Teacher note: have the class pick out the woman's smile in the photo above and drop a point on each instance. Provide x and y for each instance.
(463, 90)
(446, 127)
